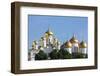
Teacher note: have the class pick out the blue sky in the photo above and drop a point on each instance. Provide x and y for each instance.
(63, 27)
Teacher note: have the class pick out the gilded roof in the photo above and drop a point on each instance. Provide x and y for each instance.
(73, 40)
(49, 32)
(68, 44)
(83, 44)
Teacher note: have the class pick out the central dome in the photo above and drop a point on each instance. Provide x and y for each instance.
(49, 32)
(73, 40)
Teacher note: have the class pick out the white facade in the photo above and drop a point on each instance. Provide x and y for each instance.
(69, 50)
(58, 45)
(83, 50)
(32, 54)
(48, 50)
(44, 42)
(75, 48)
(50, 39)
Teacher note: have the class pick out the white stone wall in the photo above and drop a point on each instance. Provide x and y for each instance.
(75, 48)
(83, 50)
(69, 50)
(44, 42)
(51, 39)
(48, 50)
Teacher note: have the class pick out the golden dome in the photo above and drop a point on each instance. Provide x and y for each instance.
(83, 44)
(68, 44)
(73, 40)
(34, 42)
(49, 32)
(46, 34)
(42, 38)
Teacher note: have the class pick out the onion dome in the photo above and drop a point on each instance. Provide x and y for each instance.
(83, 44)
(68, 44)
(73, 40)
(33, 44)
(42, 38)
(49, 32)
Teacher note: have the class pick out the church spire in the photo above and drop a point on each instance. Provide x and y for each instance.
(49, 30)
(74, 36)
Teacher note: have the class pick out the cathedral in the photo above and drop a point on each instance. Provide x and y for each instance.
(46, 43)
(49, 42)
(73, 46)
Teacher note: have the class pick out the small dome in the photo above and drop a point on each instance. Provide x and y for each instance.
(68, 44)
(49, 33)
(73, 40)
(42, 38)
(83, 44)
(33, 44)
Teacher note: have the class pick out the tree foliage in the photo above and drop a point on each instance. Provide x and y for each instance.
(41, 55)
(54, 54)
(60, 54)
(78, 55)
(64, 54)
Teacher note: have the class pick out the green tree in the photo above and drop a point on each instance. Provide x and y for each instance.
(60, 54)
(54, 54)
(80, 55)
(41, 56)
(64, 54)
